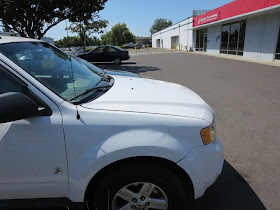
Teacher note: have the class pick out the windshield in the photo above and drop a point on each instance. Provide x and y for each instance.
(57, 71)
(91, 66)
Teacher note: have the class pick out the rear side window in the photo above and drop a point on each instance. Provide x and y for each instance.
(111, 49)
(100, 50)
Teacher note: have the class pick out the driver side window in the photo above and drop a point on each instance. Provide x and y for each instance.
(7, 84)
(10, 83)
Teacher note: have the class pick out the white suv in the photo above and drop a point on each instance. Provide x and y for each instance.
(69, 136)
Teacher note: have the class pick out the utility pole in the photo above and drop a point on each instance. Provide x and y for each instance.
(67, 33)
(66, 27)
(106, 35)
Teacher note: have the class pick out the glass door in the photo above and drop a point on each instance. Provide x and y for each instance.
(201, 40)
(233, 38)
(205, 42)
(277, 53)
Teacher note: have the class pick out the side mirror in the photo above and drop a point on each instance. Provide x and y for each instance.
(16, 106)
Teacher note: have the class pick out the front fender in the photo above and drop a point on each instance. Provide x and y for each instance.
(127, 144)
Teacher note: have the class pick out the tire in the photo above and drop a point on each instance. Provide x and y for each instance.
(117, 61)
(137, 185)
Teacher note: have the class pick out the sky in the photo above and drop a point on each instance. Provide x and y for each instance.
(139, 15)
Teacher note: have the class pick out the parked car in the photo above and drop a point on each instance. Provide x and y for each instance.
(106, 53)
(70, 136)
(139, 46)
(129, 46)
(132, 46)
(101, 71)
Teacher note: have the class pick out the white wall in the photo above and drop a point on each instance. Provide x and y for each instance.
(183, 32)
(213, 45)
(270, 37)
(261, 37)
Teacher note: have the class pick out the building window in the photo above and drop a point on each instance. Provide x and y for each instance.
(201, 40)
(241, 40)
(233, 36)
(277, 54)
(224, 38)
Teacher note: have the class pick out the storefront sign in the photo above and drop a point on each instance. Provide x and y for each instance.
(232, 9)
(208, 19)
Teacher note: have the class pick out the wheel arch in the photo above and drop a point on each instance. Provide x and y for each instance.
(118, 148)
(183, 175)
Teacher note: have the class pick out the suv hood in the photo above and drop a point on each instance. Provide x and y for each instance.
(131, 94)
(122, 73)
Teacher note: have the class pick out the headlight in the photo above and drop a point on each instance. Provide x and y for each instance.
(208, 134)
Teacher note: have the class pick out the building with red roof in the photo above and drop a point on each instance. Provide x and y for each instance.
(248, 28)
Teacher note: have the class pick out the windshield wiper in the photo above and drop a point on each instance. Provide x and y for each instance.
(89, 90)
(104, 77)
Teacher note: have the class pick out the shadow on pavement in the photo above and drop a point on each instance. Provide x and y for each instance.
(128, 66)
(229, 192)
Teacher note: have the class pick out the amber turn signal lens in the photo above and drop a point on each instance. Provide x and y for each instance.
(208, 134)
(205, 135)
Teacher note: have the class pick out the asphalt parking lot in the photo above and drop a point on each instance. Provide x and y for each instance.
(246, 98)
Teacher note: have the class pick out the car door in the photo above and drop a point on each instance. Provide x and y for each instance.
(112, 53)
(100, 54)
(90, 57)
(33, 160)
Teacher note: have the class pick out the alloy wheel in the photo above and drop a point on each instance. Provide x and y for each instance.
(140, 196)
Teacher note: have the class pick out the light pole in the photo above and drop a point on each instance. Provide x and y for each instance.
(106, 34)
(66, 27)
(67, 34)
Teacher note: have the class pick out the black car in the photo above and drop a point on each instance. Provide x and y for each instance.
(101, 72)
(106, 54)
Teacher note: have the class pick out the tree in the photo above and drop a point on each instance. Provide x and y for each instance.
(75, 41)
(107, 39)
(85, 29)
(118, 35)
(33, 18)
(160, 24)
(92, 41)
(69, 41)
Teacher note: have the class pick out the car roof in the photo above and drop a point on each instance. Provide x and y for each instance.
(116, 47)
(9, 39)
(106, 46)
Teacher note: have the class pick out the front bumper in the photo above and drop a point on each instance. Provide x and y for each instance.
(203, 165)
